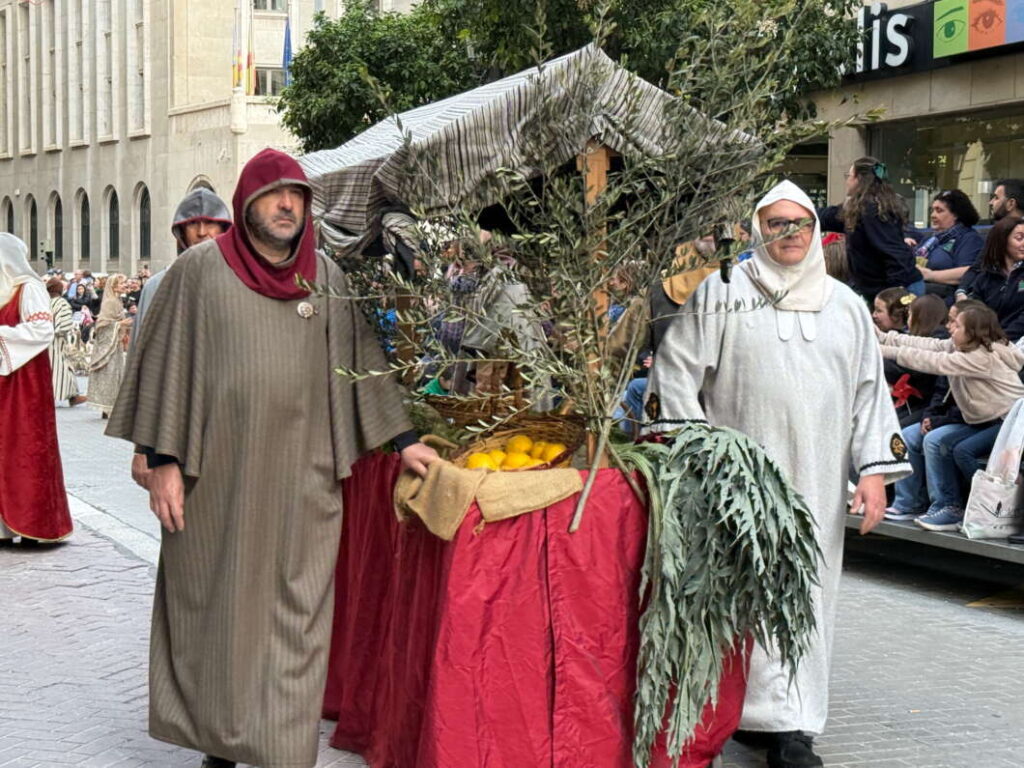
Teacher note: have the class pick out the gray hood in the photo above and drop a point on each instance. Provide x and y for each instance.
(200, 203)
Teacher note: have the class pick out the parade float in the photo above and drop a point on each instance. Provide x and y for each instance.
(593, 604)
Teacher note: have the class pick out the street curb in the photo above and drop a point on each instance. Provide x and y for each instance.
(135, 542)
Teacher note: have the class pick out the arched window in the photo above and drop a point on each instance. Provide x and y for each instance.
(8, 214)
(57, 227)
(113, 226)
(145, 228)
(33, 228)
(84, 232)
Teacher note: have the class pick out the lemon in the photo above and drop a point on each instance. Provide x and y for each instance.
(497, 456)
(515, 460)
(480, 461)
(553, 451)
(538, 449)
(519, 444)
(533, 463)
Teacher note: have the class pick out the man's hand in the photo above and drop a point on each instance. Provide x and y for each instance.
(418, 457)
(926, 274)
(869, 500)
(167, 496)
(140, 470)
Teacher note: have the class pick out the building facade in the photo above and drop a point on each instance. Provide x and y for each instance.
(112, 110)
(949, 76)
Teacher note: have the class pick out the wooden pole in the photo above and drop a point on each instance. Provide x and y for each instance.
(594, 163)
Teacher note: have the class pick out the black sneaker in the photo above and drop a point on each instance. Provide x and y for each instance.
(217, 762)
(793, 749)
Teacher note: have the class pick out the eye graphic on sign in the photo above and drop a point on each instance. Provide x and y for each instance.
(986, 21)
(949, 27)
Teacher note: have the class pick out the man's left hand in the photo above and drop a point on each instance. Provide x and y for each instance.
(869, 500)
(418, 457)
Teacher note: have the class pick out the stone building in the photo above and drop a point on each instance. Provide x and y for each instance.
(112, 110)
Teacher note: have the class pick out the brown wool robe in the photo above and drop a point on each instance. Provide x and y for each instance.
(241, 390)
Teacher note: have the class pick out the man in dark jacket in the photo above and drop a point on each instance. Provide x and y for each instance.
(1007, 199)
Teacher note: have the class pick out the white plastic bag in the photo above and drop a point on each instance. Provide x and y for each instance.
(995, 508)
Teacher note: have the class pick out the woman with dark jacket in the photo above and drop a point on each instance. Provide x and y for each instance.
(997, 279)
(873, 217)
(953, 246)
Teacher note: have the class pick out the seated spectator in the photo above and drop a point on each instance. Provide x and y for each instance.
(912, 390)
(982, 368)
(928, 317)
(1007, 199)
(837, 265)
(872, 217)
(996, 278)
(953, 246)
(892, 309)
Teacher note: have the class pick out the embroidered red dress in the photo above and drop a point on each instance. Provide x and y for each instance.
(33, 502)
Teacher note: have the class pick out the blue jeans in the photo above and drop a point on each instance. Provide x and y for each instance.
(632, 414)
(917, 288)
(943, 459)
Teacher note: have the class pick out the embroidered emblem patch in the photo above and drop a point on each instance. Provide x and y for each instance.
(653, 407)
(898, 447)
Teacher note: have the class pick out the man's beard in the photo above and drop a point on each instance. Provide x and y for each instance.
(258, 229)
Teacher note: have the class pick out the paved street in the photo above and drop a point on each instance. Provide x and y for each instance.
(928, 673)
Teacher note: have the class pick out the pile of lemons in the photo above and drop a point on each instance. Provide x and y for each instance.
(520, 452)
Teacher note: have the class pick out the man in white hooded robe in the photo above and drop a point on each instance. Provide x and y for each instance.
(802, 375)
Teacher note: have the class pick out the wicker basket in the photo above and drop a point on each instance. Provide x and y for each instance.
(463, 411)
(569, 430)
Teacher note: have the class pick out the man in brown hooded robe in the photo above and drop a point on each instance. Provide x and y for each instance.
(231, 390)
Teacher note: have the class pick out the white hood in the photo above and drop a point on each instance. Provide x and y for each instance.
(805, 286)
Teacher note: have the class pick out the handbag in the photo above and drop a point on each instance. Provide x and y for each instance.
(995, 507)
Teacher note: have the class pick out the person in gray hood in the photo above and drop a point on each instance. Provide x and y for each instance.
(200, 216)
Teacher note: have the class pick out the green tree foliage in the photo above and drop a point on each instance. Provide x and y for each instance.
(443, 47)
(414, 59)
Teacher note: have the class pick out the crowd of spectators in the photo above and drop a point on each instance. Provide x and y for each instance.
(948, 304)
(83, 292)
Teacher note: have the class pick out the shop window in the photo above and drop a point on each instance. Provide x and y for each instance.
(967, 152)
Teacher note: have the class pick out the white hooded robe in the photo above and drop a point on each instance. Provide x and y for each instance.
(804, 379)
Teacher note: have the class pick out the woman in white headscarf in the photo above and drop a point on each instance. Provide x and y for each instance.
(110, 337)
(33, 503)
(797, 368)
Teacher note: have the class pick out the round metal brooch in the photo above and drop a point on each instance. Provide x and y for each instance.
(305, 310)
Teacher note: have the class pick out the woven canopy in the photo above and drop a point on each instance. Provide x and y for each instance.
(448, 153)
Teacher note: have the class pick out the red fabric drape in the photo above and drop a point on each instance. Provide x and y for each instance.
(515, 644)
(33, 501)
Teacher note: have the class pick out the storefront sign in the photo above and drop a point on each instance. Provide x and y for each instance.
(934, 34)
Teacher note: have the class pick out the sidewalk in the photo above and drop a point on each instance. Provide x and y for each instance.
(73, 654)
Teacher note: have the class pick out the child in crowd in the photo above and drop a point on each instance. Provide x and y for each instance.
(928, 315)
(982, 367)
(913, 390)
(837, 265)
(892, 309)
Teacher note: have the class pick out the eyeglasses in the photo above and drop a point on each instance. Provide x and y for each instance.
(789, 226)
